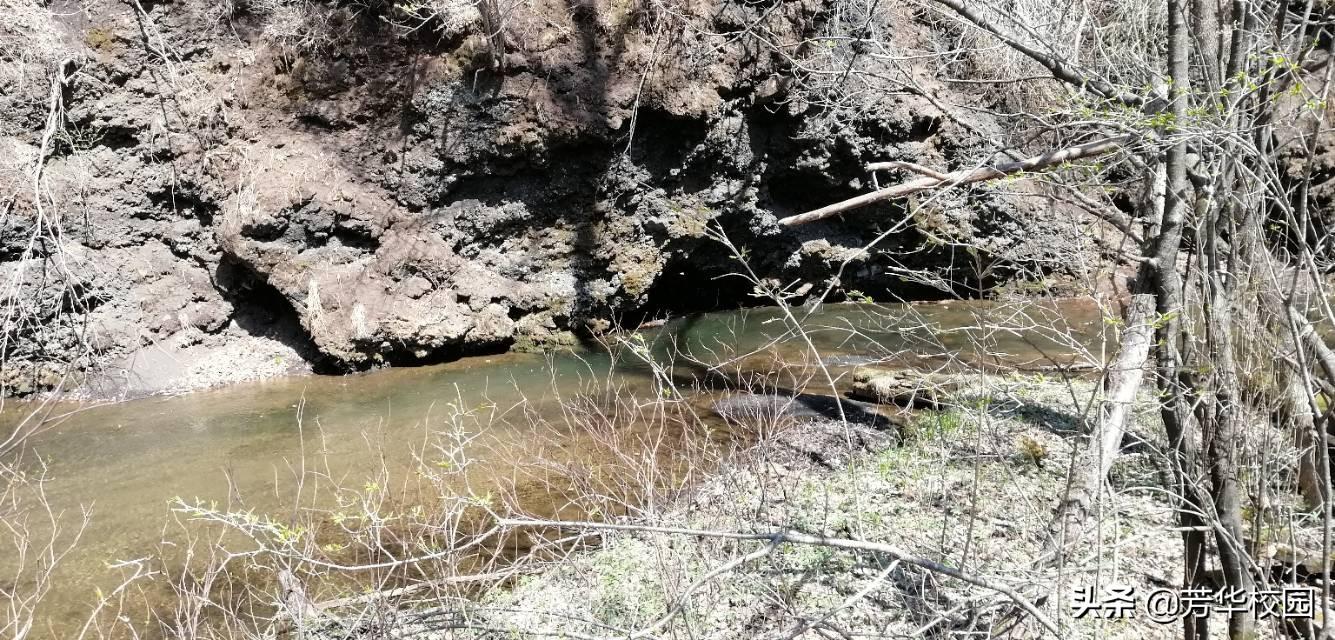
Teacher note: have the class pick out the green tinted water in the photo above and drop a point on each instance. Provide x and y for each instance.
(241, 444)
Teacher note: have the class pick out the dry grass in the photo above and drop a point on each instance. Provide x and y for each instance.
(963, 490)
(30, 48)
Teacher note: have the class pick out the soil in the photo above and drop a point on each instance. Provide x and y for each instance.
(255, 187)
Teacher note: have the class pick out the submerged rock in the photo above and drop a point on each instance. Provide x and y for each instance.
(905, 387)
(849, 360)
(759, 409)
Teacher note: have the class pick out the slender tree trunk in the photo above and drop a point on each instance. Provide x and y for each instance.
(1305, 438)
(1174, 383)
(1206, 35)
(1220, 432)
(1105, 443)
(1218, 408)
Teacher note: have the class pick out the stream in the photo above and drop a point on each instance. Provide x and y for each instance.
(125, 462)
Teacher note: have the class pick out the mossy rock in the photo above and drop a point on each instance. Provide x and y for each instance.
(905, 387)
(542, 343)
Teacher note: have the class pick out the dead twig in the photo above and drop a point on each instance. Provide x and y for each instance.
(795, 537)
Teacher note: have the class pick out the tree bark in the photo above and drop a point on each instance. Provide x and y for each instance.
(1121, 384)
(1174, 383)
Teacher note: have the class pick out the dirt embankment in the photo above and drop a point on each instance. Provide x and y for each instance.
(258, 187)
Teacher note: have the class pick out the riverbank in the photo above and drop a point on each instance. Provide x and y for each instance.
(685, 425)
(192, 361)
(970, 487)
(382, 186)
(187, 362)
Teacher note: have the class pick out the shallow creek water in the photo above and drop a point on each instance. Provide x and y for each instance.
(125, 461)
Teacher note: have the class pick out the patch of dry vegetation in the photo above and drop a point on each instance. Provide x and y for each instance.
(963, 490)
(31, 47)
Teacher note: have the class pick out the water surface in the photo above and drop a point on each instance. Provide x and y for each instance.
(242, 445)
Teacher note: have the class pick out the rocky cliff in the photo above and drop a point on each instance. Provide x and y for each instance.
(356, 183)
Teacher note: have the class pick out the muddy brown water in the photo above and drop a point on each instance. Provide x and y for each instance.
(123, 463)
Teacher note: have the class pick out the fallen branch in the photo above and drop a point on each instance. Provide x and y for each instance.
(1303, 411)
(1105, 212)
(965, 176)
(910, 166)
(1059, 68)
(1305, 334)
(1123, 383)
(679, 604)
(794, 537)
(401, 592)
(300, 610)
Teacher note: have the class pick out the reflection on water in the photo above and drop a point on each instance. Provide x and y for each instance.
(241, 444)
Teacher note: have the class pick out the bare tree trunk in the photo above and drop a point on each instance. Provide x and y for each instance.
(1305, 437)
(1220, 433)
(493, 25)
(1219, 406)
(1121, 385)
(1206, 34)
(1174, 383)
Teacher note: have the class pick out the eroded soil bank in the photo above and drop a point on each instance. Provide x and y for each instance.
(251, 188)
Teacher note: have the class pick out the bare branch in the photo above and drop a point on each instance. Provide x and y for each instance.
(1060, 69)
(966, 176)
(794, 537)
(910, 166)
